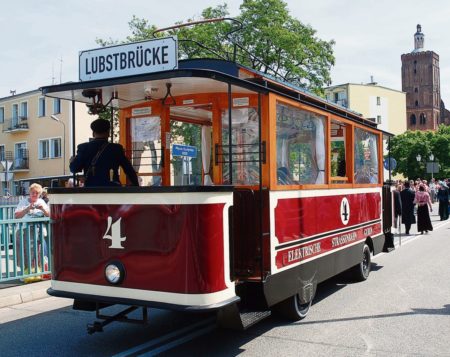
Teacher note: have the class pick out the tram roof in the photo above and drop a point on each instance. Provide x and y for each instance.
(131, 90)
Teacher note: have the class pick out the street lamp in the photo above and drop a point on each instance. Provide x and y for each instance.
(432, 163)
(55, 118)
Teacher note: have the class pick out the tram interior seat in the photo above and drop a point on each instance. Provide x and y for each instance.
(284, 176)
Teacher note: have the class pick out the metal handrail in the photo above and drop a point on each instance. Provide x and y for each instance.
(24, 246)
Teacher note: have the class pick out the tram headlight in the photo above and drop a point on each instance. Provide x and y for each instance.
(114, 273)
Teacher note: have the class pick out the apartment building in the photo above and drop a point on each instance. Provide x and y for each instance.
(385, 106)
(36, 140)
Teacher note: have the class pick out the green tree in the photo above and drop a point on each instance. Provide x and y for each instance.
(405, 148)
(271, 41)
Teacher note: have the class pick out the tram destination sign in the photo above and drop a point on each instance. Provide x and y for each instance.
(129, 59)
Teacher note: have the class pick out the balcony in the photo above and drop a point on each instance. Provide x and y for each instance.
(15, 125)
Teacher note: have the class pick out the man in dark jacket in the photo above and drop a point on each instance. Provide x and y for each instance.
(407, 197)
(443, 196)
(100, 159)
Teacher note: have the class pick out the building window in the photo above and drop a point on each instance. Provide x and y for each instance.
(44, 149)
(56, 106)
(412, 119)
(378, 101)
(416, 90)
(416, 103)
(41, 109)
(422, 118)
(379, 119)
(2, 115)
(20, 156)
(15, 115)
(2, 152)
(55, 148)
(24, 110)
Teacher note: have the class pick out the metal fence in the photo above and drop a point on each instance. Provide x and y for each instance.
(25, 246)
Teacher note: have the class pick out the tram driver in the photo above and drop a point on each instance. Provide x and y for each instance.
(100, 159)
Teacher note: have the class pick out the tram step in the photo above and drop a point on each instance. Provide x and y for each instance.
(249, 318)
(231, 317)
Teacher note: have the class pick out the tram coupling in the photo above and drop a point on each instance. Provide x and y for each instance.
(97, 326)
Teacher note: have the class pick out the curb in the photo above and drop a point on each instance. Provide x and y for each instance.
(23, 293)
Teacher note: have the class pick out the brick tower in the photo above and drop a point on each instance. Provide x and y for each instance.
(420, 81)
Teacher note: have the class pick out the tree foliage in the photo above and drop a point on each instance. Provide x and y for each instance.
(271, 41)
(405, 148)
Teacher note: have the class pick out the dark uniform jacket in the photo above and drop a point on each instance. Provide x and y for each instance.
(107, 164)
(407, 196)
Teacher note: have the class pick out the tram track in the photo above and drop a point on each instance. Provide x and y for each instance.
(171, 340)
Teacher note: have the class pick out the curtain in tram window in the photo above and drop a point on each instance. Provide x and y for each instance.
(373, 151)
(284, 160)
(320, 150)
(206, 154)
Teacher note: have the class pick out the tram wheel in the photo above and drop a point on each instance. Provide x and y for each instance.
(292, 309)
(361, 271)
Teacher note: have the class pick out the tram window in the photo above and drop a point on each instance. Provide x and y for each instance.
(186, 170)
(244, 148)
(300, 146)
(366, 157)
(146, 149)
(338, 152)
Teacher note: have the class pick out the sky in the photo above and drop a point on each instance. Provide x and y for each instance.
(41, 40)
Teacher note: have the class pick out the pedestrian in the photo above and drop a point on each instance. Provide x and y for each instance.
(29, 208)
(423, 201)
(397, 206)
(100, 160)
(433, 190)
(44, 195)
(407, 196)
(443, 196)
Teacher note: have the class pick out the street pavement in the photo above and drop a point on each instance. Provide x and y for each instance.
(16, 292)
(399, 234)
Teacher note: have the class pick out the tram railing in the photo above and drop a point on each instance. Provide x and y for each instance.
(24, 246)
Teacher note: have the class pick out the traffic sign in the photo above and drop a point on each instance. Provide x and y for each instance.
(393, 163)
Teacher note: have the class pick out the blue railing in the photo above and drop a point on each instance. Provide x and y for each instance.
(25, 246)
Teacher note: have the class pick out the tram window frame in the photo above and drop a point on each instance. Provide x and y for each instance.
(245, 165)
(274, 148)
(377, 152)
(126, 118)
(347, 134)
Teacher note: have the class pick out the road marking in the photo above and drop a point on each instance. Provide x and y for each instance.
(171, 340)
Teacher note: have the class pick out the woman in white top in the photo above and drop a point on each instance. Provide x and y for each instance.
(29, 208)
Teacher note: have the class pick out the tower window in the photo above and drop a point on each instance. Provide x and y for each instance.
(412, 119)
(422, 118)
(417, 103)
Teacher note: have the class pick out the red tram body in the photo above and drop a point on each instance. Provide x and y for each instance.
(298, 207)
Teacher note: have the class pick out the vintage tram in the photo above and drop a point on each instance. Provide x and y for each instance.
(252, 191)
